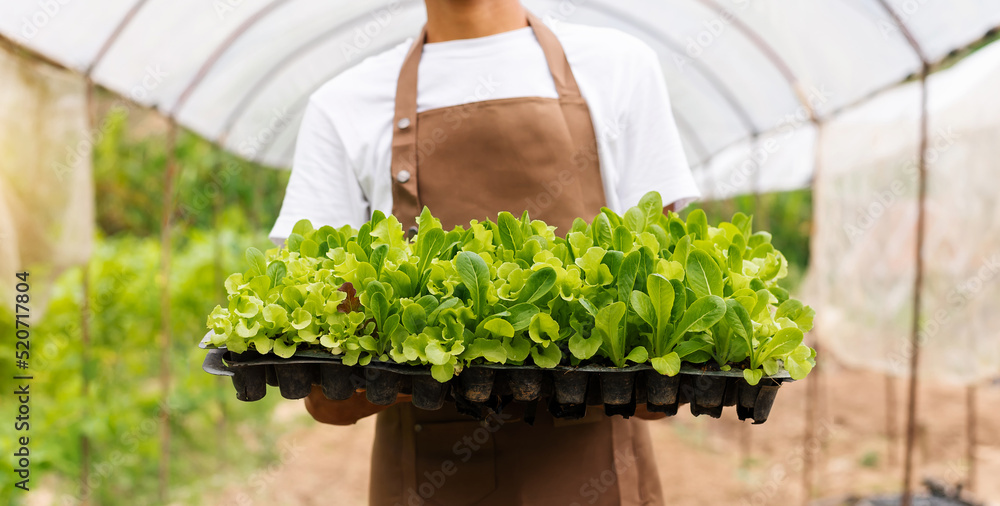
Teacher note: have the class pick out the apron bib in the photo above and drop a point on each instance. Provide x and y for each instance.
(471, 162)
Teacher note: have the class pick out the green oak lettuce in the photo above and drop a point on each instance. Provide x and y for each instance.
(646, 287)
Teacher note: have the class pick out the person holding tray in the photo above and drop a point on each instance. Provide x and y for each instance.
(489, 110)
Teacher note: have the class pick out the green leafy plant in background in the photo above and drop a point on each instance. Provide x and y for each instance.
(223, 204)
(643, 287)
(786, 215)
(214, 190)
(119, 411)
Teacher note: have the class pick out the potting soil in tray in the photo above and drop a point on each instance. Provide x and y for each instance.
(568, 391)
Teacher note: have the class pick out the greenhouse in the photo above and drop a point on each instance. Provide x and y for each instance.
(837, 235)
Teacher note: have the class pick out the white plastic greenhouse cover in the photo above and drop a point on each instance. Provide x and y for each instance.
(239, 72)
(865, 212)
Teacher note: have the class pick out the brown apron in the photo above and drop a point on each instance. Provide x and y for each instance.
(470, 162)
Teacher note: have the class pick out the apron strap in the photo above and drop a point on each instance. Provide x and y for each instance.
(555, 56)
(406, 86)
(406, 201)
(404, 135)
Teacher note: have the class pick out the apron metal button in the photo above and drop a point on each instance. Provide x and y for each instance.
(403, 176)
(403, 124)
(417, 428)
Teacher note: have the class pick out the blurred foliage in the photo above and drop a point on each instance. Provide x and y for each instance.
(129, 178)
(119, 412)
(224, 205)
(786, 215)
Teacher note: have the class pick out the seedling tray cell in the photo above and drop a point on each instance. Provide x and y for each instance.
(428, 393)
(525, 384)
(661, 390)
(337, 380)
(567, 391)
(294, 380)
(617, 387)
(477, 383)
(570, 387)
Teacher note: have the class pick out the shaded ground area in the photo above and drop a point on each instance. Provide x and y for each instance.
(706, 461)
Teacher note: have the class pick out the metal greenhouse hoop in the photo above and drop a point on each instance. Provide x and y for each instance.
(735, 108)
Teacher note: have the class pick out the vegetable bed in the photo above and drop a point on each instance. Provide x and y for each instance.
(639, 306)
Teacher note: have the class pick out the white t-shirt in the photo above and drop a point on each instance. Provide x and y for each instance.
(341, 169)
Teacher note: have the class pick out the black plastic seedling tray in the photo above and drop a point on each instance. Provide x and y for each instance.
(569, 391)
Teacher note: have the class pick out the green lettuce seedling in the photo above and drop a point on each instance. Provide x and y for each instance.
(643, 287)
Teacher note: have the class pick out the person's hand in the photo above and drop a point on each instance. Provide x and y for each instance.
(344, 412)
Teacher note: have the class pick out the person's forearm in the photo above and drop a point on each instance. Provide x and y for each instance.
(344, 412)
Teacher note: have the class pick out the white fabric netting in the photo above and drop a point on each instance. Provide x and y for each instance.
(247, 66)
(865, 212)
(47, 217)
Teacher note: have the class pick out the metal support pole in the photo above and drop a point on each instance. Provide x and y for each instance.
(813, 383)
(85, 387)
(809, 458)
(222, 429)
(970, 429)
(891, 406)
(918, 285)
(170, 177)
(918, 280)
(85, 330)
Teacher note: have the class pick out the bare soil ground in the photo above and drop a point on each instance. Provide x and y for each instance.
(707, 461)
